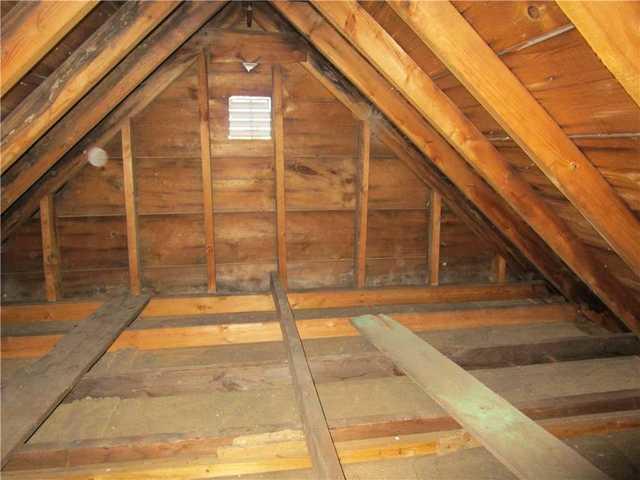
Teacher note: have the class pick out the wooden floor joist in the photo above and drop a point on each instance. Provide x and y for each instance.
(322, 451)
(29, 396)
(525, 448)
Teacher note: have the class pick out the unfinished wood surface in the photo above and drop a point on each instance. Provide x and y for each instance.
(80, 72)
(94, 106)
(500, 265)
(433, 242)
(318, 439)
(248, 46)
(207, 169)
(30, 31)
(450, 37)
(521, 445)
(411, 123)
(50, 249)
(380, 48)
(611, 29)
(362, 202)
(135, 282)
(277, 129)
(30, 346)
(29, 396)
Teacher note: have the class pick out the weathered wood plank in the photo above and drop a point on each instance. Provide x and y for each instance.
(500, 265)
(77, 75)
(133, 248)
(611, 29)
(362, 203)
(521, 445)
(277, 129)
(433, 242)
(490, 81)
(207, 169)
(50, 249)
(30, 30)
(319, 443)
(30, 396)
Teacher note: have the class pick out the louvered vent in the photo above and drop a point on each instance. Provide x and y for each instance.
(249, 118)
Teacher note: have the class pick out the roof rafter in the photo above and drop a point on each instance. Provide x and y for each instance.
(365, 34)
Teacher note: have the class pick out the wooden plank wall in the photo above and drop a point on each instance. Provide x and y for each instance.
(321, 151)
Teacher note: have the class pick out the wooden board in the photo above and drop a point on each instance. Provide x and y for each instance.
(521, 445)
(29, 397)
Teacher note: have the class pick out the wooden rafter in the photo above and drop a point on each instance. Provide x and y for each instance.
(365, 34)
(611, 29)
(326, 464)
(129, 180)
(207, 169)
(27, 402)
(77, 75)
(104, 97)
(433, 238)
(378, 90)
(446, 32)
(30, 30)
(277, 128)
(362, 203)
(525, 448)
(50, 249)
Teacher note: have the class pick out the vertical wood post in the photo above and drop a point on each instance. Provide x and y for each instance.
(207, 169)
(278, 146)
(50, 249)
(362, 203)
(500, 269)
(130, 208)
(433, 238)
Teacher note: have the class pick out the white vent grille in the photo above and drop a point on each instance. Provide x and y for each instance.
(249, 118)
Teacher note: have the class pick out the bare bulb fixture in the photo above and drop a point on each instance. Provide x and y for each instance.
(97, 157)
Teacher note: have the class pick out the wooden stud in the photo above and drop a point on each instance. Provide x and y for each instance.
(524, 447)
(446, 32)
(35, 391)
(362, 203)
(433, 238)
(77, 75)
(104, 97)
(372, 41)
(319, 443)
(277, 129)
(611, 30)
(500, 265)
(50, 249)
(130, 207)
(30, 30)
(207, 168)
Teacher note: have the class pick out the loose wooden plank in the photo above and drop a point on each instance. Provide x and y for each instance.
(277, 129)
(433, 242)
(50, 249)
(611, 29)
(319, 443)
(521, 445)
(207, 169)
(30, 30)
(72, 311)
(367, 79)
(526, 121)
(104, 97)
(133, 248)
(30, 346)
(77, 75)
(30, 396)
(372, 41)
(362, 206)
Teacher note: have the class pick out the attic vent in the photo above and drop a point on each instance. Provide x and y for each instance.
(249, 118)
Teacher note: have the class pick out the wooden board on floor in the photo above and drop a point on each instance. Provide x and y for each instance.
(513, 438)
(29, 397)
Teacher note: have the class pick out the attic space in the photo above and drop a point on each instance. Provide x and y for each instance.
(320, 239)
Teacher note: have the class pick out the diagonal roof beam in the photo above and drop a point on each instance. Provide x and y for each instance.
(77, 75)
(364, 32)
(612, 29)
(445, 31)
(30, 30)
(121, 81)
